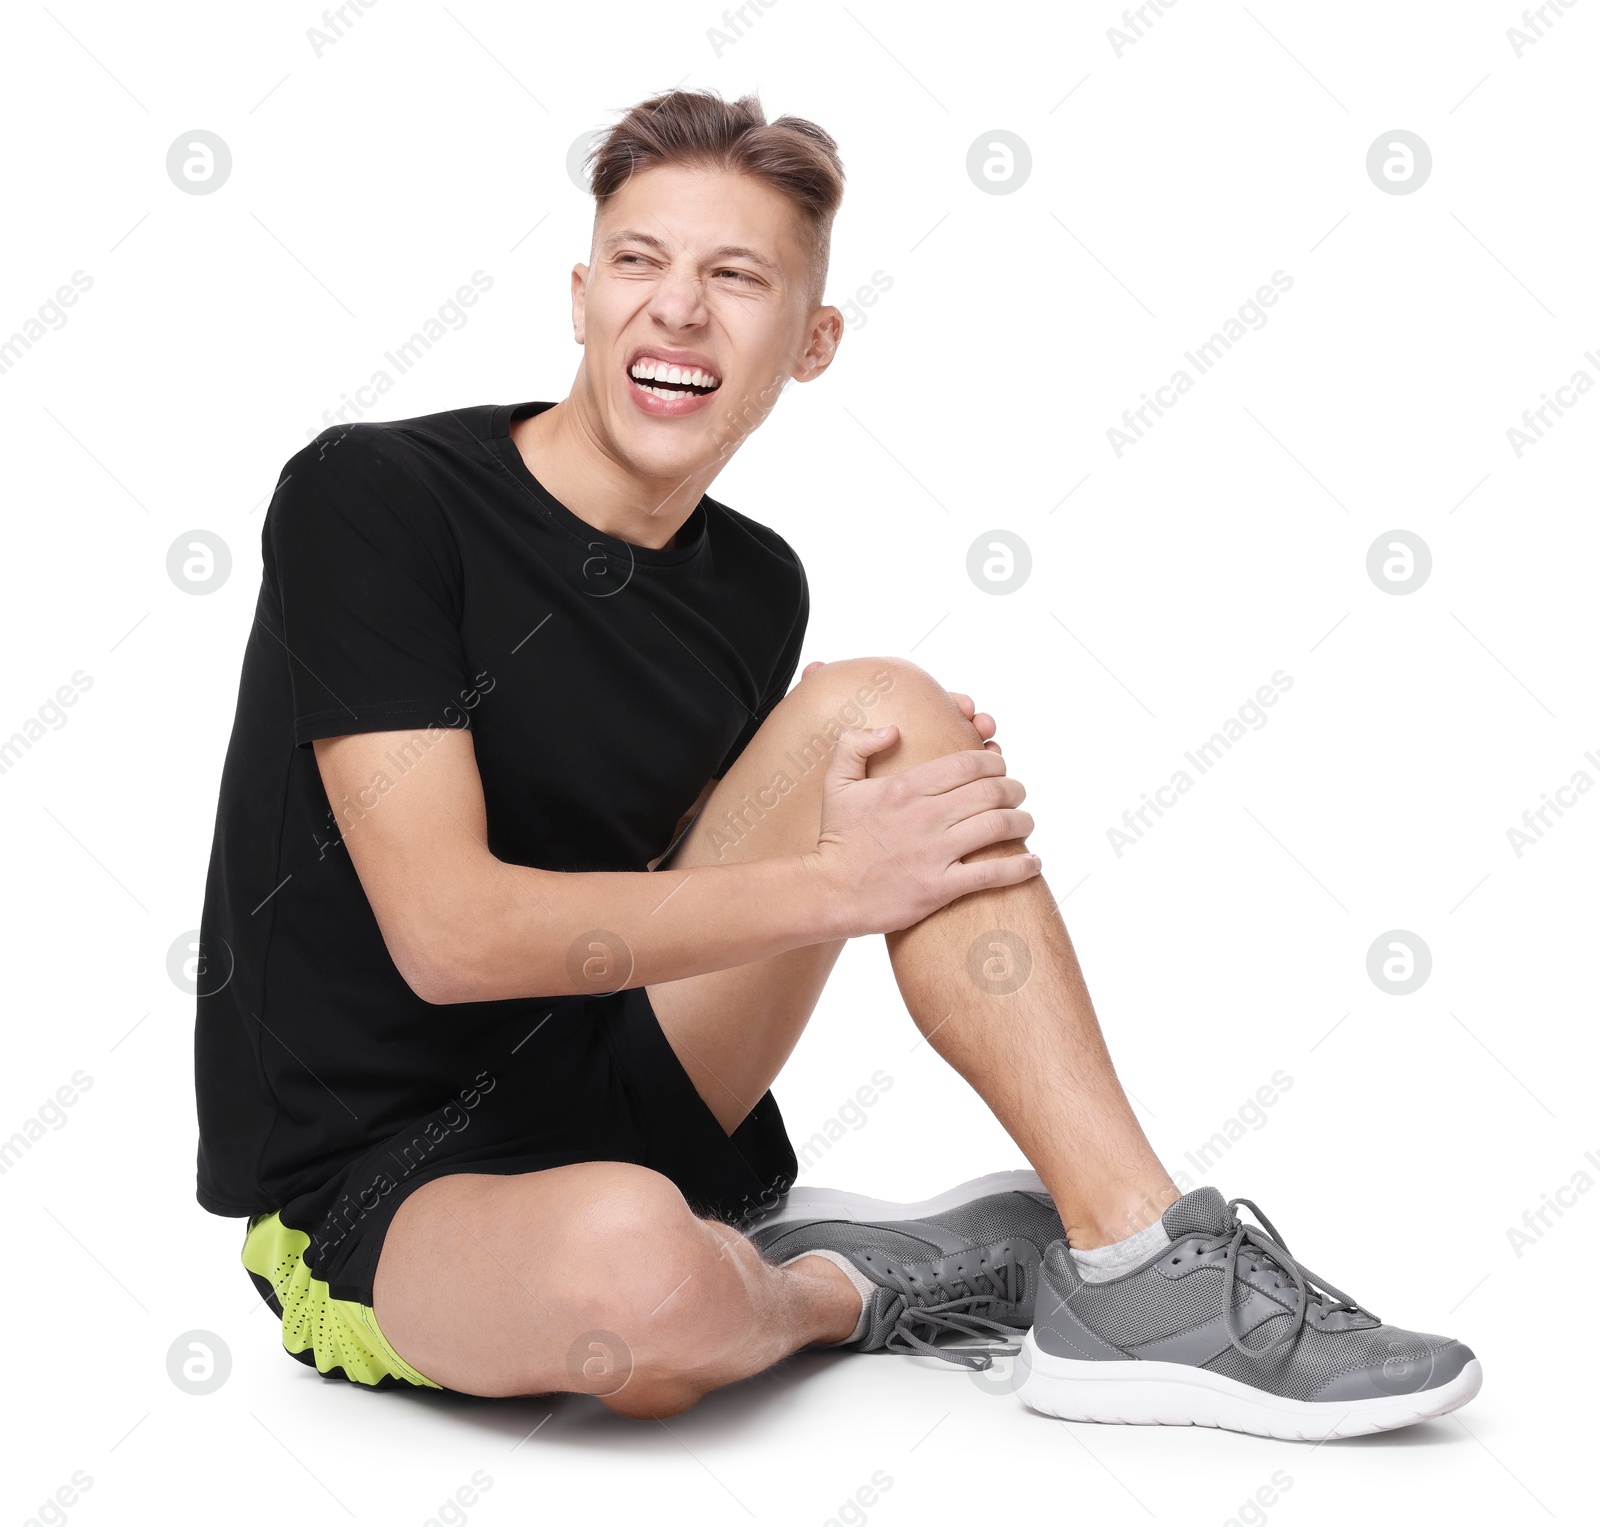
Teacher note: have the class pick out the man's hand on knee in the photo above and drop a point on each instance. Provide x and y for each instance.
(891, 847)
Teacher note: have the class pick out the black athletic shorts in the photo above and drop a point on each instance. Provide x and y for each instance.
(597, 1082)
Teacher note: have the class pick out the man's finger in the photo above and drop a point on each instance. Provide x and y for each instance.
(854, 747)
(952, 770)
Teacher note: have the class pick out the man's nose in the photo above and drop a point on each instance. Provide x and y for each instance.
(680, 299)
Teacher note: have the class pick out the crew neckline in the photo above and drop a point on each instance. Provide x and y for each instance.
(691, 534)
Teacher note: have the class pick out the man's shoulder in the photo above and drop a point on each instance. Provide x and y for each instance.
(369, 444)
(360, 480)
(389, 468)
(762, 541)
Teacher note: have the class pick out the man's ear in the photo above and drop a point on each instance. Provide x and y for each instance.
(822, 344)
(580, 277)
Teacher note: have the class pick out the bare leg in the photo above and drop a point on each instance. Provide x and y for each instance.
(992, 979)
(594, 1279)
(994, 983)
(597, 1278)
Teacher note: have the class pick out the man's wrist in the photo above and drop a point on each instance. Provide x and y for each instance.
(820, 907)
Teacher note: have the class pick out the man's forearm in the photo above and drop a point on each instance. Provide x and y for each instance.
(519, 932)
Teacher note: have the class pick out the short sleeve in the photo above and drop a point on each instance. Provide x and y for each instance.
(782, 676)
(368, 580)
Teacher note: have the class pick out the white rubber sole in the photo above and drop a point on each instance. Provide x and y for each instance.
(831, 1203)
(1137, 1393)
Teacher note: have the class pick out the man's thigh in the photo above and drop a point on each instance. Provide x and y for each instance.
(537, 1282)
(734, 1029)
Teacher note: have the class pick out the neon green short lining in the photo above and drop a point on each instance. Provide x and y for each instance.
(339, 1333)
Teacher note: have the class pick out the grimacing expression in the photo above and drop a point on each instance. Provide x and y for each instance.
(693, 313)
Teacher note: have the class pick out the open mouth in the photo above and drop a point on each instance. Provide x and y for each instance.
(662, 380)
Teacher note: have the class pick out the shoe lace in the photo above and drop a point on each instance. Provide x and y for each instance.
(933, 1308)
(1261, 1247)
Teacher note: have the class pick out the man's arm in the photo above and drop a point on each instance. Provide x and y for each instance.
(684, 821)
(464, 926)
(982, 721)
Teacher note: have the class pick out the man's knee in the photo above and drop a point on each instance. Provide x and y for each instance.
(659, 1295)
(624, 1202)
(881, 691)
(795, 744)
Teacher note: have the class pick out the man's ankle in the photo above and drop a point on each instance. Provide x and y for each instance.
(841, 1299)
(1106, 1223)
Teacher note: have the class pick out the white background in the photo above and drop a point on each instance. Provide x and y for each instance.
(1167, 184)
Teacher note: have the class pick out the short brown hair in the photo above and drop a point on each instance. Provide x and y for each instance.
(698, 128)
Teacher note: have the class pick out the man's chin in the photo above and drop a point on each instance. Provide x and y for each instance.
(672, 455)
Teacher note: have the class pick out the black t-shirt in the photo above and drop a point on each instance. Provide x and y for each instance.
(414, 575)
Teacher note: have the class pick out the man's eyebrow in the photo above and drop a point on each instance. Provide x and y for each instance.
(740, 252)
(633, 235)
(724, 252)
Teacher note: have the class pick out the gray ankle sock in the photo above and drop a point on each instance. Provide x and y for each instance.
(862, 1284)
(1102, 1263)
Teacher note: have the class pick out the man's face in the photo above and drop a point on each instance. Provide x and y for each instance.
(693, 315)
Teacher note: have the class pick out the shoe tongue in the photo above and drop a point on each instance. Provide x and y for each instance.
(1204, 1211)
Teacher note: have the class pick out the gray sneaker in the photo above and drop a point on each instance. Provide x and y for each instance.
(966, 1263)
(1224, 1328)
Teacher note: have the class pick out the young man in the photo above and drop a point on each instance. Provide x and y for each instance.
(530, 867)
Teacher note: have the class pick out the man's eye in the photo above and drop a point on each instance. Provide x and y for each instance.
(743, 275)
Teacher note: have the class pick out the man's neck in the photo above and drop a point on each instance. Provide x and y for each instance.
(570, 463)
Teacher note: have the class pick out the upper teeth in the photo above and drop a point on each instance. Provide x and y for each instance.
(659, 371)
